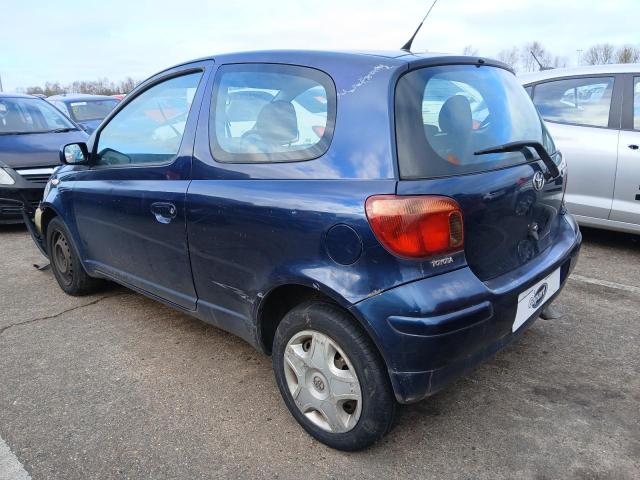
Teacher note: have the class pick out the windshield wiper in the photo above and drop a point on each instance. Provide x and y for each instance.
(22, 132)
(554, 171)
(36, 132)
(62, 130)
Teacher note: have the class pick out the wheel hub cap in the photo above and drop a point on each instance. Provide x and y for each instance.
(62, 257)
(322, 381)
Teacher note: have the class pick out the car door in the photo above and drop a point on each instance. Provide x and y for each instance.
(129, 205)
(582, 113)
(626, 198)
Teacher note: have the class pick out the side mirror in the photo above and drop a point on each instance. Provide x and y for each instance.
(75, 154)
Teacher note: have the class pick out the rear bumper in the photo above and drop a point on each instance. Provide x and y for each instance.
(433, 330)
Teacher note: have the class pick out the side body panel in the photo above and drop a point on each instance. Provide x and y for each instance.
(247, 237)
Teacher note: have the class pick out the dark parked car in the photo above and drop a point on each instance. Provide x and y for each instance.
(86, 110)
(31, 134)
(374, 251)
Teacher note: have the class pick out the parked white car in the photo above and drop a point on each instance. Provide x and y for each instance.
(593, 114)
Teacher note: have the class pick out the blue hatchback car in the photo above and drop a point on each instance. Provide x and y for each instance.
(377, 222)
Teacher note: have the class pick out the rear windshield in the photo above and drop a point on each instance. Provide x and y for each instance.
(445, 114)
(85, 110)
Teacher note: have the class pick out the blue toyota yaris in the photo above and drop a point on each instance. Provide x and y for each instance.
(378, 223)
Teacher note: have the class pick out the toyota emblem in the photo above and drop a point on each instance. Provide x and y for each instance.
(538, 181)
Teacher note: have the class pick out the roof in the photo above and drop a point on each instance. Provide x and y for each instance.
(284, 54)
(402, 57)
(15, 95)
(585, 70)
(80, 96)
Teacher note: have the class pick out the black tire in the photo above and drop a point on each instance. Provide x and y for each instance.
(65, 264)
(378, 408)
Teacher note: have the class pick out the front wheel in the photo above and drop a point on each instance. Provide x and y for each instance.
(65, 262)
(332, 378)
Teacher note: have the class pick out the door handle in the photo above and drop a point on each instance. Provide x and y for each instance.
(633, 147)
(164, 211)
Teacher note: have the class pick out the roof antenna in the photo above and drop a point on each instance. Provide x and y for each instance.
(407, 46)
(542, 67)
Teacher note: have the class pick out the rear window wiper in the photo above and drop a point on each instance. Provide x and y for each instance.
(520, 146)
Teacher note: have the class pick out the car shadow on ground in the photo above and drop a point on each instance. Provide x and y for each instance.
(609, 238)
(12, 228)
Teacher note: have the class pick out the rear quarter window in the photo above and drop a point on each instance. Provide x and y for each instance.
(445, 114)
(264, 113)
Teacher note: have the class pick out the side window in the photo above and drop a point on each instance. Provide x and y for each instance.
(636, 103)
(579, 101)
(271, 113)
(150, 128)
(529, 90)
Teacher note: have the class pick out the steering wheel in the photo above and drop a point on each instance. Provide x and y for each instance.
(173, 119)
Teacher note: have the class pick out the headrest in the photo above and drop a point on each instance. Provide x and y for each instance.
(277, 122)
(455, 116)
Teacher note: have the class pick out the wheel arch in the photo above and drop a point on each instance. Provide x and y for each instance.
(51, 211)
(281, 299)
(48, 214)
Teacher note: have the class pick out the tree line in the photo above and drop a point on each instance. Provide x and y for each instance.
(523, 58)
(101, 86)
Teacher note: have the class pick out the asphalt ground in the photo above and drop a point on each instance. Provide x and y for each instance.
(118, 386)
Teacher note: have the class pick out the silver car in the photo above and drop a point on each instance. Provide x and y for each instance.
(593, 114)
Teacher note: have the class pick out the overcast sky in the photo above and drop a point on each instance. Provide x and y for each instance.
(68, 40)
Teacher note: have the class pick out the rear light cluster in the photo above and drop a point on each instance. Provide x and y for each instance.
(417, 226)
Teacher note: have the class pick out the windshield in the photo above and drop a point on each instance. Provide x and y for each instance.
(446, 114)
(85, 110)
(20, 115)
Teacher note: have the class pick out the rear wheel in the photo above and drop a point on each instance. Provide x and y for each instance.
(332, 378)
(65, 263)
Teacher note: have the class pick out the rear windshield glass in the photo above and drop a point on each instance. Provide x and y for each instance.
(446, 114)
(86, 110)
(19, 115)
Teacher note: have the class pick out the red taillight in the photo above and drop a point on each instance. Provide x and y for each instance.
(318, 130)
(417, 226)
